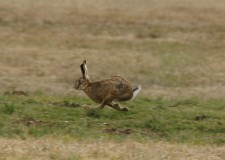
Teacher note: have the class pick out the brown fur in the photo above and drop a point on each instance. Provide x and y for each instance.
(104, 92)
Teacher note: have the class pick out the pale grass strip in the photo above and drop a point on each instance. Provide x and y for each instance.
(61, 149)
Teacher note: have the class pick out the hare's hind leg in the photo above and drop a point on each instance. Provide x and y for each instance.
(101, 106)
(117, 106)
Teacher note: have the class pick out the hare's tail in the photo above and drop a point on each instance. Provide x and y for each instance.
(136, 91)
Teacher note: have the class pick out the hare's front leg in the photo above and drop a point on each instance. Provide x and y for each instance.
(117, 106)
(101, 106)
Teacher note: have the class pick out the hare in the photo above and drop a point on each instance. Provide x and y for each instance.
(104, 92)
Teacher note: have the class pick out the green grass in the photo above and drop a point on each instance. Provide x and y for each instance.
(175, 120)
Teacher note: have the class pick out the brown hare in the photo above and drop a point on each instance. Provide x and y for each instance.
(105, 91)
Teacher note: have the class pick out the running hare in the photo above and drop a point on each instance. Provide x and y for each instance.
(105, 91)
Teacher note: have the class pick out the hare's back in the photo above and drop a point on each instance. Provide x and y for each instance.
(115, 83)
(123, 88)
(121, 83)
(116, 88)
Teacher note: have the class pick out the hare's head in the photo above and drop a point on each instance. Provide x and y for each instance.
(81, 83)
(84, 81)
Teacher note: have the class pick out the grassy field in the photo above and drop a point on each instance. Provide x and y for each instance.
(174, 49)
(51, 127)
(186, 121)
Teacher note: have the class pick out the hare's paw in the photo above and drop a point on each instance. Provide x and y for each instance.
(120, 108)
(124, 109)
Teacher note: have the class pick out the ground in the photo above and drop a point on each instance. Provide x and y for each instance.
(174, 49)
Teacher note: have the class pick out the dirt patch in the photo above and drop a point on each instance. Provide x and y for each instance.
(16, 93)
(119, 131)
(125, 131)
(200, 117)
(66, 104)
(32, 122)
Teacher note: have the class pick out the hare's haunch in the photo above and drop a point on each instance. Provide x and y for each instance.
(104, 92)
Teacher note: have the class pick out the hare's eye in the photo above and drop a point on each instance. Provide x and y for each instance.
(80, 80)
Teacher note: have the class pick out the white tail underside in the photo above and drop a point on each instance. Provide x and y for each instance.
(136, 91)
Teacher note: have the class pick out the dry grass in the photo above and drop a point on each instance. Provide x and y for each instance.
(58, 149)
(172, 48)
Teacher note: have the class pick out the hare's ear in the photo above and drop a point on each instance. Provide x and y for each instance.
(84, 70)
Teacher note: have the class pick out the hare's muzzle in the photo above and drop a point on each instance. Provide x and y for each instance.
(75, 86)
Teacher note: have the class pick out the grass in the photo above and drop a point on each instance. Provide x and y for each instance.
(174, 49)
(190, 121)
(50, 148)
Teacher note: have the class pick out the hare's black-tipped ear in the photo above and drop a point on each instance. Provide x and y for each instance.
(84, 70)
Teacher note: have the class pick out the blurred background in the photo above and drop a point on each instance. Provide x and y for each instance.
(172, 48)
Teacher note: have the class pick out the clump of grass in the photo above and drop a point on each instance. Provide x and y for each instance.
(94, 113)
(8, 108)
(153, 124)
